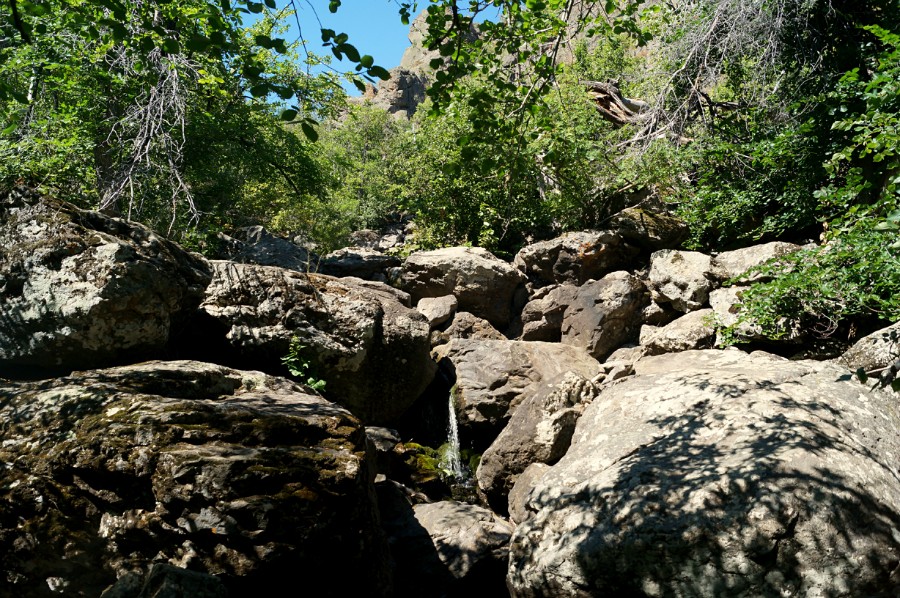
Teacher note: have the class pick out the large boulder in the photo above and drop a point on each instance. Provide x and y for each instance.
(465, 325)
(359, 262)
(731, 264)
(491, 378)
(483, 284)
(681, 278)
(694, 330)
(717, 473)
(649, 230)
(471, 541)
(875, 351)
(371, 351)
(263, 248)
(542, 316)
(79, 289)
(251, 478)
(437, 310)
(444, 548)
(575, 257)
(604, 314)
(538, 432)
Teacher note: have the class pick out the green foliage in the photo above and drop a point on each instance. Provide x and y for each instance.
(366, 153)
(754, 190)
(300, 364)
(167, 112)
(857, 271)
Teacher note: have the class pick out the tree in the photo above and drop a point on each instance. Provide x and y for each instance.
(99, 96)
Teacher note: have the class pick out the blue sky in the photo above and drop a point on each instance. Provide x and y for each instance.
(374, 28)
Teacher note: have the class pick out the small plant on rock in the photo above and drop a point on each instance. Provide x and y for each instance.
(299, 364)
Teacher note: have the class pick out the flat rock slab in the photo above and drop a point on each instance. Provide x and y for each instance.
(717, 473)
(250, 478)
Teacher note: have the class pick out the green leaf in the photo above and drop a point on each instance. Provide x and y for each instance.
(334, 5)
(351, 52)
(271, 4)
(255, 7)
(261, 90)
(380, 72)
(171, 46)
(283, 92)
(360, 85)
(309, 131)
(197, 43)
(289, 114)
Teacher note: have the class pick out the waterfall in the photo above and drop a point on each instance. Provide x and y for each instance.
(453, 461)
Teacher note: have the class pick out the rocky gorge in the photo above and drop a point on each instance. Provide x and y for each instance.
(154, 441)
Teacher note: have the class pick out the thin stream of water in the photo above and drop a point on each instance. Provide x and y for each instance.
(453, 457)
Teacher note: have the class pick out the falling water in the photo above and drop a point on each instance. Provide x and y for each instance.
(454, 463)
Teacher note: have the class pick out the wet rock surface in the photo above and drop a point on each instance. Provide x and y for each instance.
(492, 378)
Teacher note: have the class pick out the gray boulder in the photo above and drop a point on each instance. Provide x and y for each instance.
(649, 230)
(717, 473)
(493, 377)
(875, 351)
(263, 248)
(520, 493)
(465, 325)
(483, 284)
(372, 352)
(731, 264)
(538, 432)
(359, 262)
(695, 330)
(437, 310)
(682, 278)
(574, 258)
(79, 289)
(251, 478)
(468, 538)
(604, 314)
(542, 317)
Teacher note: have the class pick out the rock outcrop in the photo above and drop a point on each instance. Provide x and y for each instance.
(694, 330)
(681, 278)
(874, 351)
(79, 289)
(251, 478)
(492, 378)
(359, 262)
(713, 473)
(574, 258)
(604, 314)
(538, 432)
(483, 284)
(372, 352)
